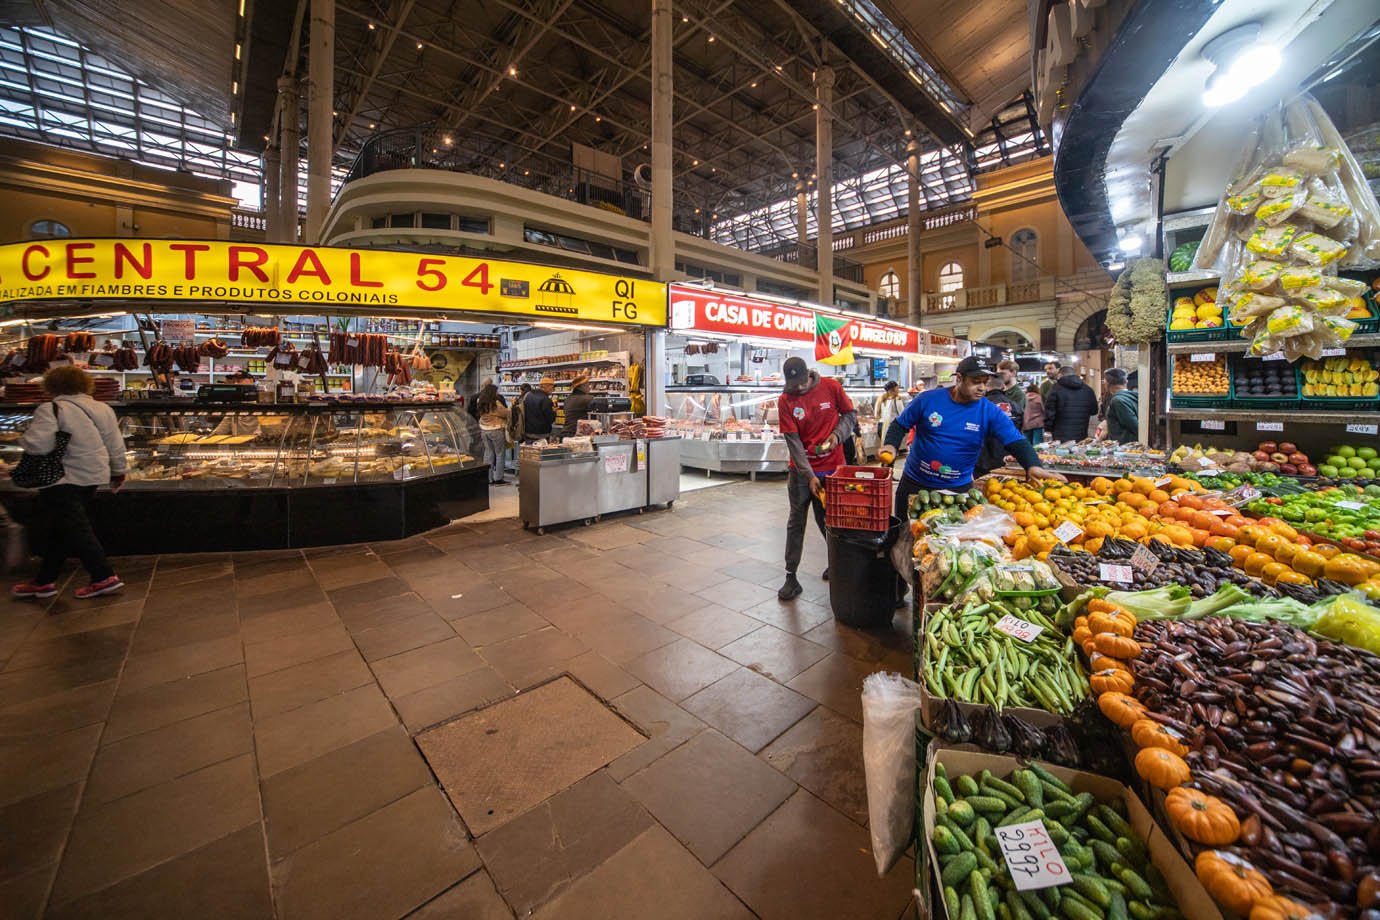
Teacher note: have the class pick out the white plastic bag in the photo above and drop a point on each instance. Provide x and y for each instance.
(890, 702)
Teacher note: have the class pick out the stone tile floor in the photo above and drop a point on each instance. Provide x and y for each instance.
(235, 735)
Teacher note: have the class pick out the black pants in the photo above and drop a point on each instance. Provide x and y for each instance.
(61, 527)
(801, 498)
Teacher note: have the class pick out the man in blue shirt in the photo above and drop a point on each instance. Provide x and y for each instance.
(950, 425)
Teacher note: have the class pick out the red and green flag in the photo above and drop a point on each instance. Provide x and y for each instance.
(833, 339)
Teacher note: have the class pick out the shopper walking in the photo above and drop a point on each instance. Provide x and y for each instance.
(95, 456)
(576, 406)
(1051, 375)
(493, 430)
(816, 417)
(538, 413)
(1071, 403)
(1123, 408)
(889, 406)
(1033, 422)
(1011, 387)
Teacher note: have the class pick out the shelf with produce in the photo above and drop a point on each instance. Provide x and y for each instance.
(1335, 417)
(616, 357)
(1359, 340)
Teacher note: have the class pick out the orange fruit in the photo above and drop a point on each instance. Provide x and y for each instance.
(1159, 496)
(1271, 571)
(1256, 562)
(1221, 544)
(1200, 536)
(1285, 552)
(1101, 485)
(1168, 510)
(1142, 485)
(1327, 550)
(1239, 554)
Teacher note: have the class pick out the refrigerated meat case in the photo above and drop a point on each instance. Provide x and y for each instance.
(249, 476)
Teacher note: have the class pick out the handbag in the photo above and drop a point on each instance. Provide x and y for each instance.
(37, 471)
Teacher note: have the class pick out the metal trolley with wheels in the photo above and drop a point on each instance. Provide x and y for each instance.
(555, 491)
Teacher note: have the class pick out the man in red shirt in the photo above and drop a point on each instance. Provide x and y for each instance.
(816, 416)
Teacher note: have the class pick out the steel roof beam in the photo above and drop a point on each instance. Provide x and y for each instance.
(378, 53)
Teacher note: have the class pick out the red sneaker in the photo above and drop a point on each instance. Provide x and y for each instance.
(97, 588)
(29, 589)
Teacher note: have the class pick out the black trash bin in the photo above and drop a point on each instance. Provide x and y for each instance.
(862, 580)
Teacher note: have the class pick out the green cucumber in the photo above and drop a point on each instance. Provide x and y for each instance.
(1004, 912)
(1132, 850)
(982, 834)
(987, 804)
(1100, 830)
(1017, 907)
(1052, 791)
(945, 842)
(982, 905)
(1020, 816)
(1057, 832)
(1002, 786)
(1115, 822)
(1038, 909)
(1081, 803)
(1050, 778)
(1138, 886)
(966, 911)
(1092, 889)
(965, 786)
(959, 869)
(1076, 909)
(943, 789)
(1106, 854)
(1141, 911)
(1050, 897)
(1117, 910)
(961, 813)
(952, 903)
(1070, 895)
(964, 840)
(1029, 784)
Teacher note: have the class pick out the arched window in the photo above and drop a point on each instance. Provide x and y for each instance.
(1025, 255)
(47, 230)
(890, 286)
(950, 277)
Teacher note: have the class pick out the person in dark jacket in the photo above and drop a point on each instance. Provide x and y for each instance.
(1123, 408)
(1068, 408)
(538, 414)
(993, 454)
(576, 405)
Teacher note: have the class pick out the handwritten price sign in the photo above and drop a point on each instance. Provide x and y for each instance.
(1015, 626)
(1031, 856)
(1122, 574)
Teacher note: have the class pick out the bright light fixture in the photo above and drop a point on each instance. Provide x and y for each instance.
(1131, 244)
(1240, 61)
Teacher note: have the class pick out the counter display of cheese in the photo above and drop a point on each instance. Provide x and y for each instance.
(232, 476)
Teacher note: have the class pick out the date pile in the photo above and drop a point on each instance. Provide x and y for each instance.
(1285, 728)
(1202, 571)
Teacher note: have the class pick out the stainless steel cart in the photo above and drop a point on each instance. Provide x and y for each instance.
(622, 476)
(663, 471)
(556, 491)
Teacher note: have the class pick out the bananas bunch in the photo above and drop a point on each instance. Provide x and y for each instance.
(1340, 377)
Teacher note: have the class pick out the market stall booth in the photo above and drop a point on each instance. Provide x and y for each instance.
(250, 426)
(724, 354)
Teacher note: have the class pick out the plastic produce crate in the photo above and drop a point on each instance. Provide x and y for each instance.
(1371, 356)
(1215, 399)
(1238, 368)
(858, 498)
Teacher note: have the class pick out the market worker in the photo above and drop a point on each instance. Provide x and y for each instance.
(1123, 408)
(950, 425)
(816, 417)
(576, 405)
(538, 414)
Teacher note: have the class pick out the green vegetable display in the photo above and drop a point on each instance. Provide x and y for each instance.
(966, 659)
(1111, 876)
(1331, 513)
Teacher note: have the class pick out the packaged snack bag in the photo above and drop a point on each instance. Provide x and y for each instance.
(1261, 274)
(1272, 241)
(1280, 181)
(1313, 158)
(1316, 249)
(1289, 321)
(1297, 277)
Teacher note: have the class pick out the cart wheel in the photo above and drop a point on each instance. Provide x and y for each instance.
(642, 510)
(671, 504)
(588, 521)
(526, 526)
(541, 531)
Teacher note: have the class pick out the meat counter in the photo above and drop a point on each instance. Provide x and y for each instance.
(241, 476)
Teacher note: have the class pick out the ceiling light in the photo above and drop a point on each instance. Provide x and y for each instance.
(419, 46)
(598, 118)
(512, 71)
(572, 108)
(754, 84)
(711, 38)
(371, 27)
(1131, 244)
(447, 140)
(371, 126)
(816, 106)
(237, 51)
(908, 132)
(501, 165)
(527, 172)
(1240, 61)
(696, 163)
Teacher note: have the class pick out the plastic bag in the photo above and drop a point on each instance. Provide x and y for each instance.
(1349, 619)
(987, 523)
(948, 565)
(889, 703)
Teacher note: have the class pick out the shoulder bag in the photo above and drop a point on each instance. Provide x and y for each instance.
(37, 471)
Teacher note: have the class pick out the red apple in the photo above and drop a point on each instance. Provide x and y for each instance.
(1288, 446)
(1279, 457)
(1261, 455)
(1268, 446)
(1289, 468)
(1298, 458)
(1307, 469)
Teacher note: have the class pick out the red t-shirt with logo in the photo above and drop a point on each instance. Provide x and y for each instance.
(813, 416)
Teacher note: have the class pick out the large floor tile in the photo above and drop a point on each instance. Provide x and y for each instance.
(749, 708)
(710, 793)
(180, 662)
(713, 626)
(404, 634)
(280, 691)
(679, 669)
(498, 624)
(32, 830)
(666, 725)
(58, 712)
(286, 740)
(42, 763)
(736, 594)
(424, 667)
(836, 681)
(450, 698)
(796, 617)
(533, 658)
(808, 861)
(473, 899)
(774, 653)
(164, 704)
(823, 753)
(285, 651)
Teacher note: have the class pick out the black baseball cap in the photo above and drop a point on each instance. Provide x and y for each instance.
(975, 366)
(795, 370)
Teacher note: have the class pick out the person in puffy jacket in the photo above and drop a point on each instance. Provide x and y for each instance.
(1033, 421)
(1069, 407)
(95, 456)
(576, 405)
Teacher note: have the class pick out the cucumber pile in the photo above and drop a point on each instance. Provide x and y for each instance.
(1111, 876)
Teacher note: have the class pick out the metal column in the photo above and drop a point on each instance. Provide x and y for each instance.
(320, 121)
(290, 156)
(824, 186)
(663, 243)
(915, 287)
(273, 190)
(802, 213)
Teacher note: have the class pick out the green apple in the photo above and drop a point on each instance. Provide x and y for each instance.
(1356, 463)
(1346, 450)
(1367, 452)
(1345, 472)
(1329, 469)
(1366, 473)
(1335, 460)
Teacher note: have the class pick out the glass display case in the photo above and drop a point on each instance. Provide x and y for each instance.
(248, 476)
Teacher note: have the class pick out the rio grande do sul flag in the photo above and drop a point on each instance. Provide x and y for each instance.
(833, 339)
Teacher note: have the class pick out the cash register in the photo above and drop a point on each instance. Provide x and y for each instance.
(227, 393)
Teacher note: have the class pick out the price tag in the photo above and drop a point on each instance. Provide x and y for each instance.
(616, 462)
(1269, 426)
(1205, 462)
(352, 341)
(1351, 506)
(1250, 493)
(329, 481)
(284, 359)
(1163, 481)
(1274, 356)
(1207, 474)
(1210, 425)
(1031, 856)
(1201, 358)
(304, 360)
(1067, 531)
(1222, 512)
(1122, 574)
(704, 436)
(1333, 352)
(103, 360)
(1363, 429)
(1020, 629)
(1144, 560)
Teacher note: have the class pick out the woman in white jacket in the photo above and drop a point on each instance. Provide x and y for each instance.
(95, 456)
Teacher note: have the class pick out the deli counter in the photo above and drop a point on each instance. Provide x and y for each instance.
(251, 476)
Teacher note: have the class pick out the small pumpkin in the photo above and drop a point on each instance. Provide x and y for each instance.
(1122, 709)
(1081, 634)
(1115, 645)
(1101, 662)
(1119, 621)
(1200, 817)
(1278, 907)
(1111, 680)
(1148, 733)
(1080, 621)
(1232, 882)
(1162, 769)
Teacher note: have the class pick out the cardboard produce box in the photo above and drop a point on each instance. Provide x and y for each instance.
(1192, 899)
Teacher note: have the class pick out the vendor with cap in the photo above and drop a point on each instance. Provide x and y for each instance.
(950, 426)
(815, 418)
(538, 414)
(576, 405)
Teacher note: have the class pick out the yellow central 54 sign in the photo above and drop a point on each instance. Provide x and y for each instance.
(189, 270)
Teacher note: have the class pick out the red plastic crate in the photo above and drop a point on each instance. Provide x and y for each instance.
(858, 498)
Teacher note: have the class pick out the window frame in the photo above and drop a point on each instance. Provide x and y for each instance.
(889, 286)
(1022, 270)
(53, 223)
(947, 278)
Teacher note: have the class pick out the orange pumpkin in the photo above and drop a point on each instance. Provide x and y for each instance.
(1111, 680)
(1122, 709)
(1116, 646)
(1162, 769)
(1101, 662)
(1278, 907)
(1081, 634)
(1148, 733)
(1118, 621)
(1200, 817)
(1232, 882)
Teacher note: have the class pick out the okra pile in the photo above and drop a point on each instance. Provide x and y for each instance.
(1110, 873)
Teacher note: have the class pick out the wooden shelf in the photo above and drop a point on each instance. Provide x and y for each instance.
(1298, 416)
(1234, 345)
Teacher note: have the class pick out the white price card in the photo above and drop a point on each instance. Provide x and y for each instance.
(1144, 560)
(1274, 356)
(1269, 426)
(704, 436)
(1067, 531)
(1222, 512)
(1031, 856)
(1333, 352)
(1202, 357)
(1163, 481)
(1207, 474)
(1021, 629)
(1250, 493)
(1363, 429)
(1209, 425)
(1122, 574)
(616, 462)
(1205, 462)
(1351, 506)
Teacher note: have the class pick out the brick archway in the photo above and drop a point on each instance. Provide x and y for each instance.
(1069, 321)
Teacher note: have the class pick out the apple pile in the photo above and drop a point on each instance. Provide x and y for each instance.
(1284, 457)
(1347, 462)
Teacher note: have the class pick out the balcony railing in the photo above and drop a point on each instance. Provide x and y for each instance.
(248, 220)
(993, 295)
(806, 255)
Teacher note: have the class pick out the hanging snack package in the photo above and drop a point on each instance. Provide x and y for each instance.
(1316, 249)
(1277, 210)
(1289, 321)
(1280, 181)
(1261, 274)
(1250, 305)
(1313, 158)
(1322, 300)
(1272, 241)
(1297, 277)
(1347, 287)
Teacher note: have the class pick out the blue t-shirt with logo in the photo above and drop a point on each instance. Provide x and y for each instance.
(949, 436)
